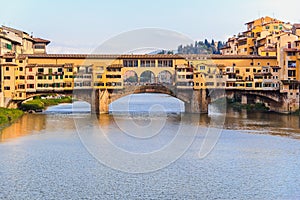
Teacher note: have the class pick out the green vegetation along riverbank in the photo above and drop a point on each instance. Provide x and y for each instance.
(260, 107)
(40, 103)
(8, 116)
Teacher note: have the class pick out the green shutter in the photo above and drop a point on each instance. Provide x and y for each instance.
(9, 46)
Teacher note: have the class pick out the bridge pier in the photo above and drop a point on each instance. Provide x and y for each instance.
(244, 100)
(104, 101)
(198, 102)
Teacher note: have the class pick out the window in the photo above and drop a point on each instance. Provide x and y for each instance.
(22, 86)
(275, 70)
(209, 84)
(60, 70)
(99, 76)
(165, 63)
(147, 63)
(202, 67)
(267, 27)
(258, 85)
(291, 64)
(98, 84)
(50, 70)
(291, 73)
(248, 84)
(6, 68)
(130, 63)
(6, 77)
(40, 70)
(8, 60)
(247, 70)
(39, 46)
(254, 70)
(189, 76)
(40, 77)
(113, 76)
(8, 46)
(291, 54)
(6, 88)
(49, 77)
(275, 27)
(30, 69)
(30, 86)
(22, 77)
(69, 70)
(21, 69)
(30, 77)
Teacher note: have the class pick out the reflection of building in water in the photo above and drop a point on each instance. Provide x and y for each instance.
(26, 125)
(36, 123)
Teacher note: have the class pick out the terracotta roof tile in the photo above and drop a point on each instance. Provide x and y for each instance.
(40, 40)
(297, 26)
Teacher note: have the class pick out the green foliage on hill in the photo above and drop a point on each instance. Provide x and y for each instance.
(201, 47)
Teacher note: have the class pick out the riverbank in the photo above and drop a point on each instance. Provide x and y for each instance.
(8, 116)
(259, 107)
(39, 103)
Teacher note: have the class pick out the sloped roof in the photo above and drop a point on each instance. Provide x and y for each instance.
(40, 40)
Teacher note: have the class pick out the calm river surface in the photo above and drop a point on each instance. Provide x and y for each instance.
(256, 157)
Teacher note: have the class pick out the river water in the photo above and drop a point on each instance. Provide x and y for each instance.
(51, 155)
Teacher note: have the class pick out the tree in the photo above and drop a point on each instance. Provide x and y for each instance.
(206, 43)
(200, 47)
(212, 42)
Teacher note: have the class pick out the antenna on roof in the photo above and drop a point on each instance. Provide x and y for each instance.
(31, 34)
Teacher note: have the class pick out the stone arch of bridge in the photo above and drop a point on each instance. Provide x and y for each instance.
(106, 97)
(165, 77)
(148, 76)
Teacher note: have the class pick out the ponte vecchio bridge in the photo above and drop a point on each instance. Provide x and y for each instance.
(197, 80)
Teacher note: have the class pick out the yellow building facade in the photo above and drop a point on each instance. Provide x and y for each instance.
(27, 69)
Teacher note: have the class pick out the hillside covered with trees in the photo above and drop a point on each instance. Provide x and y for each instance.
(201, 47)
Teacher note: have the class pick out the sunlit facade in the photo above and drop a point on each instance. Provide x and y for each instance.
(265, 57)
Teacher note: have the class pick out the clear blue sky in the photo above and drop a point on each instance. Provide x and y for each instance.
(86, 23)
